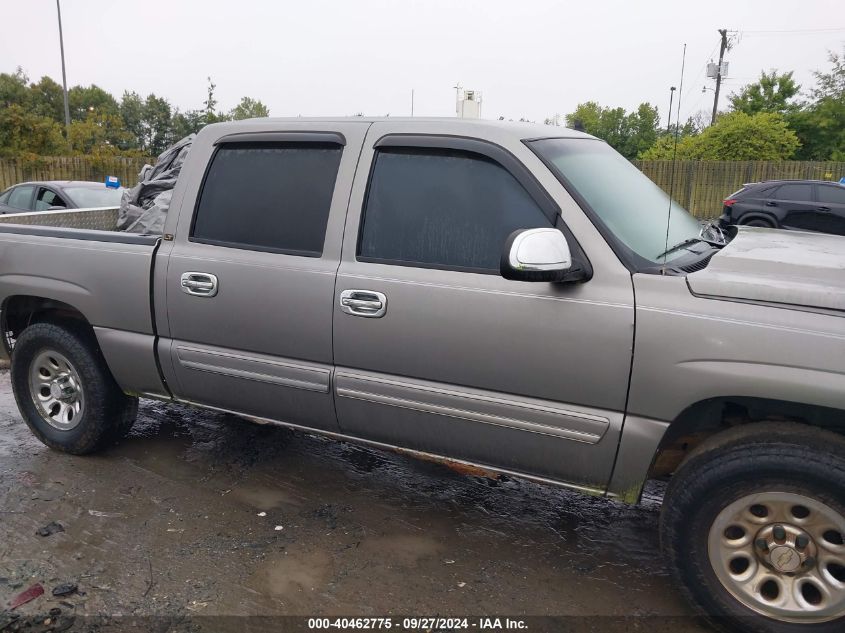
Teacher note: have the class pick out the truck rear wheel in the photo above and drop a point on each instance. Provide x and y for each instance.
(65, 392)
(753, 525)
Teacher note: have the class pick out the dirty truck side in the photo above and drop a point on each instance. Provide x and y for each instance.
(495, 294)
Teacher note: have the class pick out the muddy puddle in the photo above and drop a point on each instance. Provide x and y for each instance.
(199, 513)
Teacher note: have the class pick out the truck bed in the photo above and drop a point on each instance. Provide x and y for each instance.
(99, 219)
(79, 259)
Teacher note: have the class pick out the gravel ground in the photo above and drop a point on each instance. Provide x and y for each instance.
(203, 514)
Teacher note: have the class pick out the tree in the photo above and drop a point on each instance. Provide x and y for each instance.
(820, 124)
(100, 133)
(209, 115)
(249, 109)
(157, 125)
(640, 130)
(132, 113)
(771, 93)
(13, 90)
(185, 123)
(47, 99)
(734, 136)
(85, 99)
(628, 133)
(23, 133)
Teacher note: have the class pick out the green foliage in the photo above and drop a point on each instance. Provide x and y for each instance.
(85, 99)
(629, 133)
(771, 93)
(735, 136)
(13, 88)
(32, 119)
(249, 109)
(23, 133)
(47, 99)
(157, 124)
(820, 124)
(100, 133)
(132, 113)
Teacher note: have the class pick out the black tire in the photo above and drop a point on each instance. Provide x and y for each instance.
(758, 221)
(108, 414)
(776, 458)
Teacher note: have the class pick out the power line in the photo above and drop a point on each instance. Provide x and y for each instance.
(791, 31)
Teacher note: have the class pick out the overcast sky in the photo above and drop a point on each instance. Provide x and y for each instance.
(529, 58)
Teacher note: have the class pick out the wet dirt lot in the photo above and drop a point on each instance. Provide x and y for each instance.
(203, 514)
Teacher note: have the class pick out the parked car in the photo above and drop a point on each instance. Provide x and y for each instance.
(55, 195)
(804, 205)
(506, 295)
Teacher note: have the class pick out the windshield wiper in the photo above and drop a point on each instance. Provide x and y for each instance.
(686, 242)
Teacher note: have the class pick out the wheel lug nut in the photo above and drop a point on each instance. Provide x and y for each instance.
(762, 543)
(779, 533)
(802, 541)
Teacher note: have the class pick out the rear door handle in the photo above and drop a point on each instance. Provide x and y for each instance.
(199, 284)
(824, 208)
(364, 303)
(771, 204)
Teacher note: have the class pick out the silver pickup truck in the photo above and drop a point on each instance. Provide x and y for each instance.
(505, 295)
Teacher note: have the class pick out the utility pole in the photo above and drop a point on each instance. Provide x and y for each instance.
(671, 98)
(64, 75)
(722, 48)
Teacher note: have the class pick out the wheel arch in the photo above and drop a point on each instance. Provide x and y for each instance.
(652, 449)
(19, 311)
(748, 216)
(129, 356)
(707, 418)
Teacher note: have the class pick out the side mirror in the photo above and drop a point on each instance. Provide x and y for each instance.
(536, 255)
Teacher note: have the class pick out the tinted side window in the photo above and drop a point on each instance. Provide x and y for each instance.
(794, 192)
(47, 199)
(4, 197)
(21, 197)
(269, 197)
(831, 193)
(443, 209)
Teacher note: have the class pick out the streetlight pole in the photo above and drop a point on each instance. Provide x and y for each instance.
(671, 98)
(64, 74)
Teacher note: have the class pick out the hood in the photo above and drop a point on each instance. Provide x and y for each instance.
(799, 269)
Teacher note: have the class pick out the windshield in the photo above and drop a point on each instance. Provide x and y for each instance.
(85, 197)
(630, 205)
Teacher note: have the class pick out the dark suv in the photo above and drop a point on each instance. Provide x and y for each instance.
(803, 205)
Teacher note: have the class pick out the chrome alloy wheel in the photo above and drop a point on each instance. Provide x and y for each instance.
(56, 390)
(782, 555)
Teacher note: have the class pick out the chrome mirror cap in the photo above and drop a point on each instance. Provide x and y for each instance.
(536, 255)
(540, 250)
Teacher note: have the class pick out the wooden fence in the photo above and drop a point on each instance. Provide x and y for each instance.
(700, 186)
(13, 171)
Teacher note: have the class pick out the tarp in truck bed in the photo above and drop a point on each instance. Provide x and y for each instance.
(143, 208)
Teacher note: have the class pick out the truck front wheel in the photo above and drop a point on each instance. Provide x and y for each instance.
(65, 392)
(753, 525)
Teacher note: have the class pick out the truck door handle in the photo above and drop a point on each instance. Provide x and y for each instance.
(199, 284)
(364, 303)
(824, 208)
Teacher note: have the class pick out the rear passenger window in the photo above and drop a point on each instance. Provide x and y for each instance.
(793, 192)
(831, 193)
(268, 197)
(443, 209)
